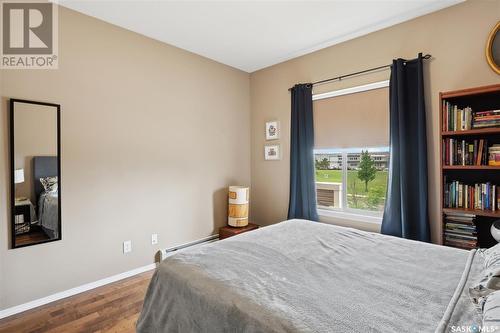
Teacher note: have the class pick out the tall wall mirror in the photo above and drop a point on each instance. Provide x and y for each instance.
(35, 172)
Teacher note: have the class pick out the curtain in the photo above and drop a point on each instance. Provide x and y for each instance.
(302, 204)
(406, 212)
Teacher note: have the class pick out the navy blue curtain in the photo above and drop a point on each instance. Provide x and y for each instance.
(302, 204)
(406, 212)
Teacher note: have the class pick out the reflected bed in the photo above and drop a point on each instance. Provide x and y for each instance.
(48, 210)
(48, 213)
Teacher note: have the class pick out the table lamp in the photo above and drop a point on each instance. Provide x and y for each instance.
(19, 176)
(238, 206)
(18, 179)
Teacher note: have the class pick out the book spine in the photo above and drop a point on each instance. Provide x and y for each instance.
(455, 118)
(463, 152)
(493, 197)
(479, 196)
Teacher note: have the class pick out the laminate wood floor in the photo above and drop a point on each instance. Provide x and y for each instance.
(32, 237)
(111, 308)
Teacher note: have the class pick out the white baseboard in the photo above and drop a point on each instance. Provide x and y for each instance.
(73, 291)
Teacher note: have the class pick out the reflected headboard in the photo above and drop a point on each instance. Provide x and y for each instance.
(43, 166)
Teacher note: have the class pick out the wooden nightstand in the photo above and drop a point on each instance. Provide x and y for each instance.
(22, 208)
(228, 231)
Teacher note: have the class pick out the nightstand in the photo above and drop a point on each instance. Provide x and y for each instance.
(22, 212)
(228, 231)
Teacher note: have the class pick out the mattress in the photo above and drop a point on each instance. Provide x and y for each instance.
(304, 276)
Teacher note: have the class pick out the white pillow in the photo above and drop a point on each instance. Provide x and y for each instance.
(491, 312)
(490, 275)
(491, 256)
(50, 184)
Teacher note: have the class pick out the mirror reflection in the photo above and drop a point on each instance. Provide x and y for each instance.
(35, 177)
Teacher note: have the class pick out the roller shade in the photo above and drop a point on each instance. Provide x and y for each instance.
(355, 120)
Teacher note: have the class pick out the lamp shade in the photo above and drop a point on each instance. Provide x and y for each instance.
(495, 230)
(19, 176)
(238, 206)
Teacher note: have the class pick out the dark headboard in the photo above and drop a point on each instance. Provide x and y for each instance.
(43, 166)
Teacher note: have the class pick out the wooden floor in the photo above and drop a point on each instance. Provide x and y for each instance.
(32, 237)
(111, 308)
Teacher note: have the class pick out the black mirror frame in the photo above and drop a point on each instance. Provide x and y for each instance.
(12, 169)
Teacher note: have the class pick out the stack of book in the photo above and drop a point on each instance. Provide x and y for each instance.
(460, 230)
(478, 196)
(461, 152)
(455, 119)
(486, 119)
(494, 155)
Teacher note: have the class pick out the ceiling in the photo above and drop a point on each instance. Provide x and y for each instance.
(251, 35)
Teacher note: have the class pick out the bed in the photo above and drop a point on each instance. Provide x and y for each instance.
(48, 202)
(303, 276)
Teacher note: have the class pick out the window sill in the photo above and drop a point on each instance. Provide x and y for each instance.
(342, 215)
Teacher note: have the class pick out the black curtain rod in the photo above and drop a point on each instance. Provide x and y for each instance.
(338, 78)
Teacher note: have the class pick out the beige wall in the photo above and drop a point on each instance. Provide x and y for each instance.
(456, 39)
(151, 137)
(35, 134)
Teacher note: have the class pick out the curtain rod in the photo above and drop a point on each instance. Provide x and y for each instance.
(338, 78)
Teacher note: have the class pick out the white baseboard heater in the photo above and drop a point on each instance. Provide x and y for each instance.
(164, 253)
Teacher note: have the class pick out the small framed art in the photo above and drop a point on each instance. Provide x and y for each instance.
(272, 152)
(272, 130)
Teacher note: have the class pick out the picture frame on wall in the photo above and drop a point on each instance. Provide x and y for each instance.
(272, 130)
(272, 152)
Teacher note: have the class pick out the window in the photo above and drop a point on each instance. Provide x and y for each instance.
(358, 186)
(351, 149)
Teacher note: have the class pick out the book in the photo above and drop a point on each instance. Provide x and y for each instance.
(482, 196)
(466, 152)
(494, 155)
(456, 119)
(485, 119)
(460, 230)
(462, 119)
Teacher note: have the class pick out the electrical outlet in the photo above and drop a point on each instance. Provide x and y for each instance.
(127, 246)
(154, 239)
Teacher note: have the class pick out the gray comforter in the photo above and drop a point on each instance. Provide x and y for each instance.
(302, 276)
(48, 213)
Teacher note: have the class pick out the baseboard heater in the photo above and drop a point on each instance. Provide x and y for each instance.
(164, 253)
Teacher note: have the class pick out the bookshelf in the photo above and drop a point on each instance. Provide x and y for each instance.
(480, 131)
(462, 173)
(471, 167)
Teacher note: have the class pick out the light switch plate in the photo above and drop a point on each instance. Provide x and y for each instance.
(154, 239)
(127, 246)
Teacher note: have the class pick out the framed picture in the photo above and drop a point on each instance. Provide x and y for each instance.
(272, 130)
(272, 152)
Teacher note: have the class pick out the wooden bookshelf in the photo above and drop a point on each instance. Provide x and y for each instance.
(479, 131)
(479, 99)
(470, 167)
(477, 212)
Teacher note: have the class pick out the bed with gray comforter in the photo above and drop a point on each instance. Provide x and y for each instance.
(48, 213)
(302, 276)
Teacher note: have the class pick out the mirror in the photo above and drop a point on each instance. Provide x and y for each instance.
(35, 172)
(493, 48)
